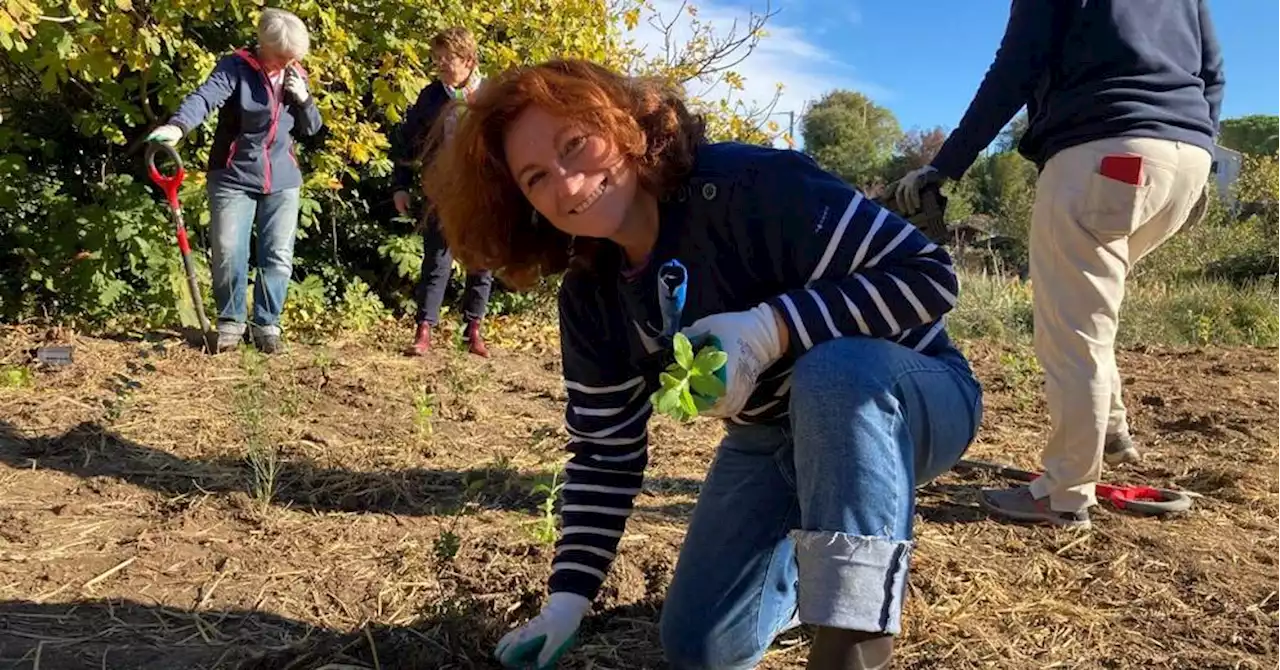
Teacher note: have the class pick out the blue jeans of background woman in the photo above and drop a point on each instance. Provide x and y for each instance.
(812, 522)
(234, 213)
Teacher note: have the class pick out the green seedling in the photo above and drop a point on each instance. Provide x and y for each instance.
(692, 383)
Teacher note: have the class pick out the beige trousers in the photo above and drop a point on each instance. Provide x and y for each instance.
(1087, 232)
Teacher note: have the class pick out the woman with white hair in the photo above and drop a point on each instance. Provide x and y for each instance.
(262, 101)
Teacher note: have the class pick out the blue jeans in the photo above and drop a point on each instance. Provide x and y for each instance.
(234, 213)
(813, 522)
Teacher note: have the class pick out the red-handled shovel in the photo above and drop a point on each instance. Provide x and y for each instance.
(170, 185)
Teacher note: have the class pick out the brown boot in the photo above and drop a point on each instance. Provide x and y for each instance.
(475, 343)
(421, 341)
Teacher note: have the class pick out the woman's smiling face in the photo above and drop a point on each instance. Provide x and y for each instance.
(574, 177)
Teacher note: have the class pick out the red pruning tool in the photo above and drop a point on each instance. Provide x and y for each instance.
(1144, 500)
(170, 185)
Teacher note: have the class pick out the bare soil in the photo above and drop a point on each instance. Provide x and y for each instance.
(405, 535)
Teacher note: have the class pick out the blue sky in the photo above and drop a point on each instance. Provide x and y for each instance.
(924, 59)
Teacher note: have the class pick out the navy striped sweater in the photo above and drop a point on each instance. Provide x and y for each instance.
(751, 225)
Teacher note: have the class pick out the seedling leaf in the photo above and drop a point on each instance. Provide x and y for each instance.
(690, 385)
(686, 403)
(709, 359)
(683, 350)
(707, 385)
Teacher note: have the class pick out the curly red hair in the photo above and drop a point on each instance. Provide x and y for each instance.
(486, 219)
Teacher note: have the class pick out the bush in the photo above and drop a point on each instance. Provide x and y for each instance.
(84, 237)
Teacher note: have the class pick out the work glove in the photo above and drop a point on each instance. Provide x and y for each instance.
(907, 190)
(752, 341)
(540, 643)
(401, 200)
(167, 134)
(295, 85)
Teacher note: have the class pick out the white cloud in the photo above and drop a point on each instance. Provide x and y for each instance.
(787, 55)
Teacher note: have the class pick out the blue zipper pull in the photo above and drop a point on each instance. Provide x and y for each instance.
(673, 280)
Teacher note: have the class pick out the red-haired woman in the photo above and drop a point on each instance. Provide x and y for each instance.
(843, 391)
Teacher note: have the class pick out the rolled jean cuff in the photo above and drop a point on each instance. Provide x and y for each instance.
(231, 327)
(851, 582)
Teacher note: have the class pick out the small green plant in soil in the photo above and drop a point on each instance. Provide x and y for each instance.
(15, 376)
(544, 529)
(690, 384)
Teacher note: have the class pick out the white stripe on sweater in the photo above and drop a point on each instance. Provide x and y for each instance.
(836, 236)
(595, 390)
(579, 568)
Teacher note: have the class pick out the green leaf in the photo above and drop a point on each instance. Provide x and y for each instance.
(670, 380)
(669, 401)
(686, 403)
(710, 359)
(683, 350)
(707, 385)
(703, 404)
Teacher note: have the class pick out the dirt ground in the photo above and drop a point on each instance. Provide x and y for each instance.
(403, 528)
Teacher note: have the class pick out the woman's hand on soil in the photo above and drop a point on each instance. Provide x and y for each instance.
(541, 642)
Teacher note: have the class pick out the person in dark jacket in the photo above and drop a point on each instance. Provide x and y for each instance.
(1123, 99)
(841, 391)
(455, 54)
(262, 101)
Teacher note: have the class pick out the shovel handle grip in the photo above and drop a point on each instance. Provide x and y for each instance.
(167, 183)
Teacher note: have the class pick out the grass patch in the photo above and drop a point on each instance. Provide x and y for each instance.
(1239, 252)
(250, 408)
(1210, 285)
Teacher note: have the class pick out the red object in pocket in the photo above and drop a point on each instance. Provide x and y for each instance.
(1125, 168)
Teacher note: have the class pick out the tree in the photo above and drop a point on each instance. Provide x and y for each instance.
(914, 149)
(694, 56)
(1012, 134)
(1254, 134)
(82, 232)
(850, 135)
(1258, 188)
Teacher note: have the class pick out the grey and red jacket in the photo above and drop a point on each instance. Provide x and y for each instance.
(253, 142)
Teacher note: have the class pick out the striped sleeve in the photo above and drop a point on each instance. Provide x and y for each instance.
(607, 419)
(860, 268)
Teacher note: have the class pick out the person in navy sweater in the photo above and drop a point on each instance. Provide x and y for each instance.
(455, 55)
(261, 98)
(1123, 99)
(843, 389)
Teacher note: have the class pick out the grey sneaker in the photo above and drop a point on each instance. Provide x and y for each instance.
(1119, 449)
(1018, 504)
(228, 341)
(267, 340)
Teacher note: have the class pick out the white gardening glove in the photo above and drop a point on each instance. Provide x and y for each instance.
(540, 643)
(166, 134)
(295, 86)
(908, 188)
(752, 340)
